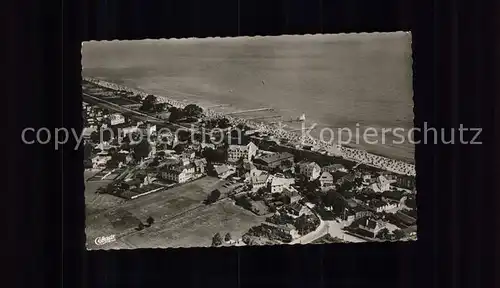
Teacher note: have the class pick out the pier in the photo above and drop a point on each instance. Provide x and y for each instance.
(263, 117)
(218, 106)
(251, 110)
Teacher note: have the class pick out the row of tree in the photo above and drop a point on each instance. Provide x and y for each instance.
(217, 239)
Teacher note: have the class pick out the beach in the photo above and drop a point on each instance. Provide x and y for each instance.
(335, 81)
(296, 138)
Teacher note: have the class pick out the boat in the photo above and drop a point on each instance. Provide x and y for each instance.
(302, 118)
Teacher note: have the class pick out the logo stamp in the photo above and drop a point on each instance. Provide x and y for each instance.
(105, 240)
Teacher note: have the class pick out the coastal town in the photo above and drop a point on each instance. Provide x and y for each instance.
(166, 173)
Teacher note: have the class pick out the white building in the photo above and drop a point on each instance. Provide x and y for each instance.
(279, 183)
(326, 180)
(100, 161)
(381, 184)
(309, 169)
(258, 179)
(116, 119)
(178, 174)
(236, 152)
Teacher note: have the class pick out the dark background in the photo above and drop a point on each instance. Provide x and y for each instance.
(455, 71)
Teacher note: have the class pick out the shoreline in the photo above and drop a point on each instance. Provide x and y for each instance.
(292, 137)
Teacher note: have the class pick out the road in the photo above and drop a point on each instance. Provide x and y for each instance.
(320, 231)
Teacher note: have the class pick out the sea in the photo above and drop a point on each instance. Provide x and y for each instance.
(360, 83)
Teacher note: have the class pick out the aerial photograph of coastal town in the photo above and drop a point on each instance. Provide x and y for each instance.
(247, 141)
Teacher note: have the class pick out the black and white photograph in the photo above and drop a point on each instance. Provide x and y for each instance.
(248, 141)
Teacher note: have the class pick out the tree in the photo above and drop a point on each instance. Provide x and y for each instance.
(212, 197)
(330, 197)
(398, 234)
(192, 110)
(175, 114)
(312, 186)
(137, 98)
(216, 240)
(223, 123)
(142, 150)
(227, 238)
(150, 220)
(148, 104)
(211, 169)
(160, 107)
(383, 234)
(140, 227)
(87, 151)
(95, 137)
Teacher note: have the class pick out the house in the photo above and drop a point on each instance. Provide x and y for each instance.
(200, 165)
(271, 161)
(279, 183)
(292, 193)
(406, 182)
(178, 173)
(224, 171)
(334, 168)
(367, 178)
(259, 180)
(100, 161)
(237, 152)
(310, 170)
(116, 119)
(296, 208)
(345, 178)
(381, 184)
(326, 180)
(371, 226)
(379, 205)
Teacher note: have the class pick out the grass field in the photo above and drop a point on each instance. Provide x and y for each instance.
(196, 228)
(181, 219)
(162, 206)
(95, 203)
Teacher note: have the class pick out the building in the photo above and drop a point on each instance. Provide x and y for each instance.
(311, 170)
(334, 168)
(271, 161)
(100, 161)
(178, 173)
(380, 206)
(258, 180)
(371, 226)
(326, 180)
(406, 182)
(237, 152)
(381, 184)
(116, 119)
(224, 171)
(279, 183)
(200, 165)
(292, 193)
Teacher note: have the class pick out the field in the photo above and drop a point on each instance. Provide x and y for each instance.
(181, 219)
(96, 203)
(196, 228)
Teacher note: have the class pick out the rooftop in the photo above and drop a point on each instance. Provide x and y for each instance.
(270, 158)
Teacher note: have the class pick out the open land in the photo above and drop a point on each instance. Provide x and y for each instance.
(178, 211)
